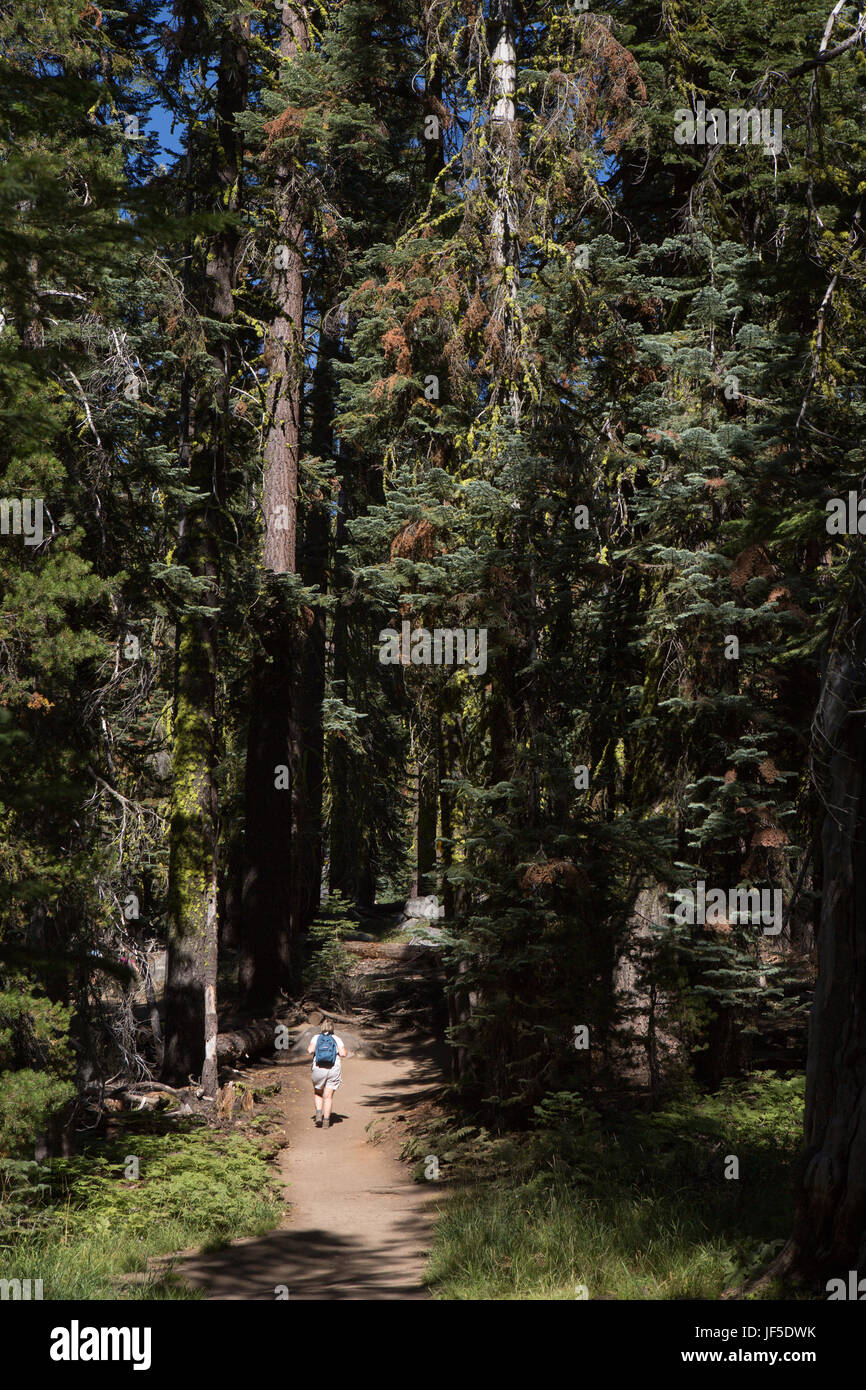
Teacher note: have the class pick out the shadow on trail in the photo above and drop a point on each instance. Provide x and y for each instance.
(409, 1090)
(311, 1264)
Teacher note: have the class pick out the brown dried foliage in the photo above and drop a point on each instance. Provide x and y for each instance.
(770, 837)
(782, 599)
(414, 542)
(394, 342)
(613, 82)
(428, 301)
(287, 124)
(750, 562)
(560, 873)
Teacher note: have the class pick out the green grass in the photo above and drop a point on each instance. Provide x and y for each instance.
(631, 1207)
(198, 1187)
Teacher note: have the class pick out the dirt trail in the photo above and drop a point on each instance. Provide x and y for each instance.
(359, 1226)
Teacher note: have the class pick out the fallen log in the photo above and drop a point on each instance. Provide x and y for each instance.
(250, 1041)
(310, 1006)
(152, 1086)
(388, 950)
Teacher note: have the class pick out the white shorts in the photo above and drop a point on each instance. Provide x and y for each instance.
(327, 1076)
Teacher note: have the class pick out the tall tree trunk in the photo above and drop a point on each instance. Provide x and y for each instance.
(231, 888)
(190, 987)
(344, 837)
(426, 740)
(267, 963)
(307, 734)
(268, 957)
(503, 266)
(285, 347)
(503, 61)
(191, 974)
(830, 1224)
(448, 753)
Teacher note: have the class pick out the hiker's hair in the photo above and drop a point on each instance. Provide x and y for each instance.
(326, 1026)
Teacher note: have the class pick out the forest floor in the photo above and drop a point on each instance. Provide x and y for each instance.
(358, 1225)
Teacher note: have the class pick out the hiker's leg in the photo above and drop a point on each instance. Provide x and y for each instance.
(329, 1101)
(318, 1102)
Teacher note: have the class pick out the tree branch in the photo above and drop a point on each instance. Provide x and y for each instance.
(825, 54)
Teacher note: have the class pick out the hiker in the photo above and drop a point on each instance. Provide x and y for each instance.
(327, 1070)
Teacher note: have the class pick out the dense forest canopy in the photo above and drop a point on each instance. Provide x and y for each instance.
(444, 476)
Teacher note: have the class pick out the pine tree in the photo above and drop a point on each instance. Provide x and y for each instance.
(191, 1005)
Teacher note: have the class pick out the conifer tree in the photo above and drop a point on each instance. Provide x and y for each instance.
(191, 1005)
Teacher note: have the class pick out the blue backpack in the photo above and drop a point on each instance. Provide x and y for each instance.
(326, 1051)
